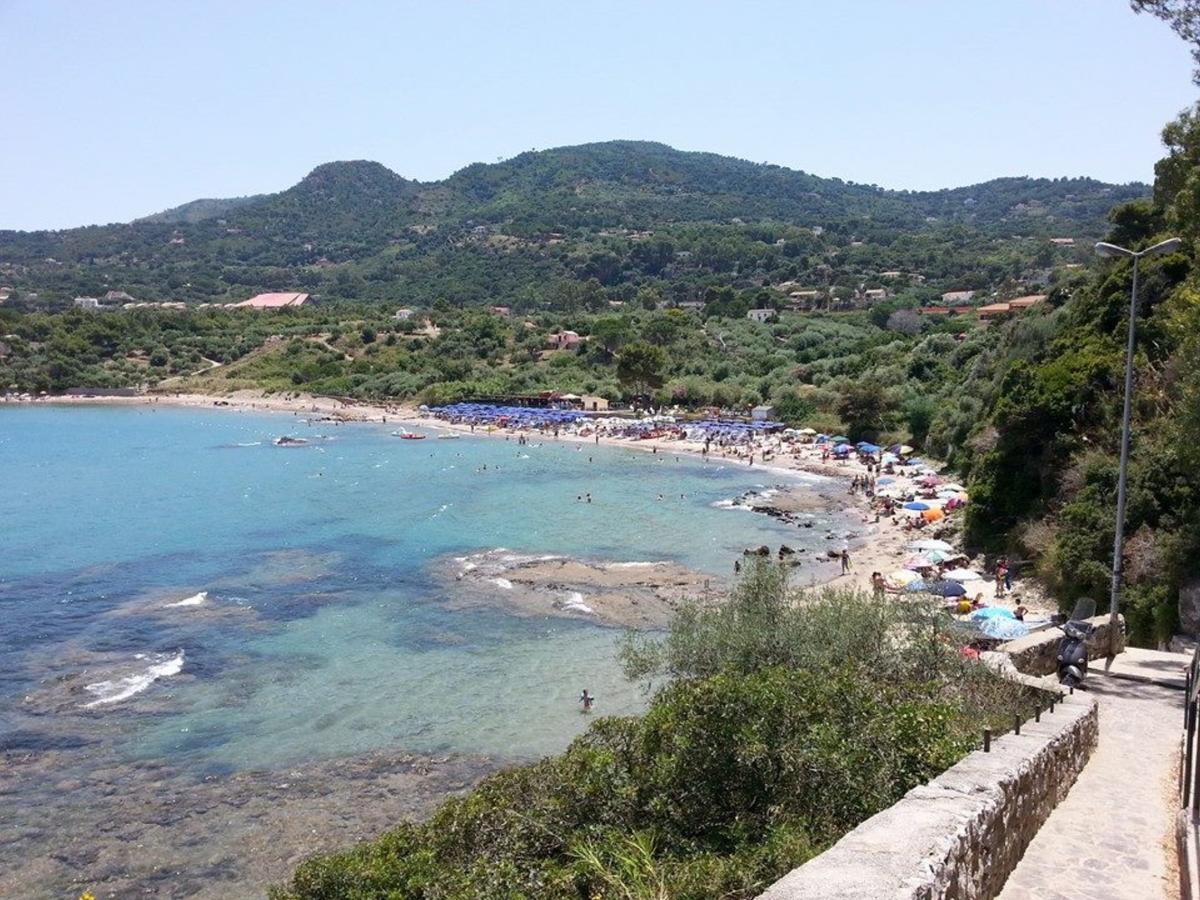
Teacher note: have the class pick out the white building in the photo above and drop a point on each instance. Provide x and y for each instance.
(761, 315)
(87, 303)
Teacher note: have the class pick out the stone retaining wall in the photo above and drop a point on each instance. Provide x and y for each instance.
(1036, 654)
(960, 836)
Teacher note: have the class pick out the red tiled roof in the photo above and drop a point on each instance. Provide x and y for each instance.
(273, 301)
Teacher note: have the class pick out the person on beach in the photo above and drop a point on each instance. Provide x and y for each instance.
(1001, 573)
(845, 557)
(878, 586)
(587, 700)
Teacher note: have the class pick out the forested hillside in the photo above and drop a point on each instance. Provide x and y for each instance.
(567, 228)
(1036, 421)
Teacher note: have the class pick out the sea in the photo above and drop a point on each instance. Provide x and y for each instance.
(186, 606)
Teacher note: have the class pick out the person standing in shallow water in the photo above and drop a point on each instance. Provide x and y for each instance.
(587, 700)
(845, 556)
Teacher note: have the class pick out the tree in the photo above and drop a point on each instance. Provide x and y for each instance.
(919, 412)
(905, 321)
(609, 333)
(866, 408)
(1184, 18)
(640, 367)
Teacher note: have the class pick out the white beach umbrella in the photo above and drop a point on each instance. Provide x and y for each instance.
(931, 544)
(963, 575)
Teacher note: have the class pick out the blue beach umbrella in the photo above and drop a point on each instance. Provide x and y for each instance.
(992, 612)
(917, 505)
(1003, 629)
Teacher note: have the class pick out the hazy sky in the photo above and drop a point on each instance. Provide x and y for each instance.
(113, 110)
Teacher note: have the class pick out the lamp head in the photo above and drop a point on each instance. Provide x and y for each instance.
(1106, 249)
(1168, 246)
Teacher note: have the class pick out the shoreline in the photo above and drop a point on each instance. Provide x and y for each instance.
(874, 547)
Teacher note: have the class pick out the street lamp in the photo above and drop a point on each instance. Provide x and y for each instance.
(1112, 250)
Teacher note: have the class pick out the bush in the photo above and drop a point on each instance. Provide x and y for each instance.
(785, 725)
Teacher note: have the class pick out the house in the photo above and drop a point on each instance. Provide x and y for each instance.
(90, 303)
(761, 315)
(892, 274)
(403, 314)
(762, 413)
(875, 295)
(695, 305)
(564, 340)
(955, 298)
(1027, 301)
(117, 297)
(594, 404)
(994, 310)
(274, 301)
(1063, 242)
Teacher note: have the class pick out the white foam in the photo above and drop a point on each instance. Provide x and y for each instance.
(574, 602)
(249, 444)
(503, 582)
(124, 688)
(194, 600)
(630, 565)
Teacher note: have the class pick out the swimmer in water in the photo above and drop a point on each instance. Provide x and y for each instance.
(587, 700)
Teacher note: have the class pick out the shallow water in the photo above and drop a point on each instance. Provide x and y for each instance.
(177, 591)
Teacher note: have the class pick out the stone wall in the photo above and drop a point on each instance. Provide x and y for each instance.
(960, 836)
(1036, 653)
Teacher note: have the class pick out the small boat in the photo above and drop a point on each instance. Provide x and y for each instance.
(288, 441)
(408, 435)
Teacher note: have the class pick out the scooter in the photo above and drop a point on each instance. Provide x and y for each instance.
(1072, 646)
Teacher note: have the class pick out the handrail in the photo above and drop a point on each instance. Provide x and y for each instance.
(1189, 772)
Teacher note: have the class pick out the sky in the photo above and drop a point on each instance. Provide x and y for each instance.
(109, 111)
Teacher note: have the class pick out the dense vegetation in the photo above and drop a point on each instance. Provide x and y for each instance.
(1037, 420)
(567, 229)
(783, 726)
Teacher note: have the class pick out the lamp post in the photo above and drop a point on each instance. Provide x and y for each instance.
(1118, 571)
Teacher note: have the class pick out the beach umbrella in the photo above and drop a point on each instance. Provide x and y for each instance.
(902, 576)
(886, 479)
(947, 589)
(931, 544)
(1002, 629)
(917, 505)
(992, 612)
(840, 439)
(940, 556)
(962, 575)
(807, 431)
(918, 562)
(933, 515)
(904, 448)
(929, 480)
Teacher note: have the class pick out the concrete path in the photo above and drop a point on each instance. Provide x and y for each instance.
(1112, 838)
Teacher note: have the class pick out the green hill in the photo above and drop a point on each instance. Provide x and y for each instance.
(627, 215)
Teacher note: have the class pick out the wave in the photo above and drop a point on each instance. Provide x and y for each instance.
(194, 600)
(503, 582)
(120, 689)
(631, 565)
(249, 444)
(574, 602)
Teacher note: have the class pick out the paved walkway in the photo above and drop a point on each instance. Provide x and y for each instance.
(1112, 838)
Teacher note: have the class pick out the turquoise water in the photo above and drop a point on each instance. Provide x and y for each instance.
(323, 633)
